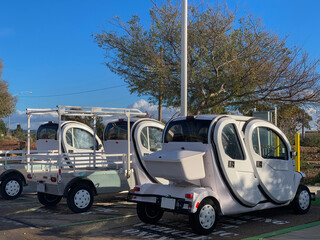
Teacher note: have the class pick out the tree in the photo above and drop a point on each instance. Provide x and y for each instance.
(18, 133)
(7, 101)
(232, 62)
(3, 128)
(290, 118)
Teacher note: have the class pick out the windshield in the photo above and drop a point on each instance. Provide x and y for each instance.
(188, 130)
(47, 131)
(116, 131)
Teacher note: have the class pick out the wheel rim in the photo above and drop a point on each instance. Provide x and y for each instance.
(207, 216)
(304, 200)
(12, 188)
(82, 198)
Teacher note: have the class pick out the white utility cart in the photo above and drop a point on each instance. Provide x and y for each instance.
(78, 173)
(13, 163)
(220, 165)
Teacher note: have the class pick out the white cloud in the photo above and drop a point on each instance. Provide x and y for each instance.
(314, 114)
(144, 106)
(311, 111)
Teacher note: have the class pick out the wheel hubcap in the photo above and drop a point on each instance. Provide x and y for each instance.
(207, 216)
(12, 188)
(82, 198)
(304, 200)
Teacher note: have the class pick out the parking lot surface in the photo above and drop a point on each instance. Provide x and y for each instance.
(112, 217)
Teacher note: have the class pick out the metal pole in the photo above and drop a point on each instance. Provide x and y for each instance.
(59, 142)
(129, 142)
(94, 139)
(184, 43)
(28, 147)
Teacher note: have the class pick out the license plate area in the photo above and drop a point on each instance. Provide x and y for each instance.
(168, 203)
(41, 187)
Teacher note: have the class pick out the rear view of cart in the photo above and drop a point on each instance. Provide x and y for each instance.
(79, 175)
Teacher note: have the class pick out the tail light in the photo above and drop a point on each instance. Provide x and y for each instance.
(29, 176)
(136, 189)
(188, 195)
(53, 179)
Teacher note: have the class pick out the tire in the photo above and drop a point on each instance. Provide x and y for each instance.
(204, 220)
(149, 213)
(80, 198)
(48, 200)
(302, 201)
(11, 187)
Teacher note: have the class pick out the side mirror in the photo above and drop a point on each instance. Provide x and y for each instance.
(293, 154)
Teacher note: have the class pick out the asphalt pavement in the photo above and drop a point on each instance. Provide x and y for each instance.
(112, 217)
(306, 231)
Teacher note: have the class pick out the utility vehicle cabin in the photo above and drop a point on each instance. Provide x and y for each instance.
(115, 136)
(220, 165)
(82, 168)
(146, 138)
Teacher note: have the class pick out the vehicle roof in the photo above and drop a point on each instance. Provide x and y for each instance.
(212, 117)
(124, 120)
(62, 123)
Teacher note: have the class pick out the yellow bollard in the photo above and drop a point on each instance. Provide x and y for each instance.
(278, 147)
(297, 148)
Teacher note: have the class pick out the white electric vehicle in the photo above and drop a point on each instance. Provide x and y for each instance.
(13, 163)
(220, 165)
(82, 168)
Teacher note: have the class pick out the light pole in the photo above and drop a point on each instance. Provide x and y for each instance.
(184, 43)
(8, 131)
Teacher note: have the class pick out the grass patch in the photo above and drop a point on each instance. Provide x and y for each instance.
(316, 202)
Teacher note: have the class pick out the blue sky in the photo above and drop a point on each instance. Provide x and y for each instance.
(47, 48)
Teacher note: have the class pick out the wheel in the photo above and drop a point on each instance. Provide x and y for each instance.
(80, 198)
(11, 187)
(204, 220)
(302, 201)
(48, 200)
(149, 213)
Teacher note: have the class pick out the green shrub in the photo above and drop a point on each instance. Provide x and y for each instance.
(315, 180)
(311, 141)
(304, 162)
